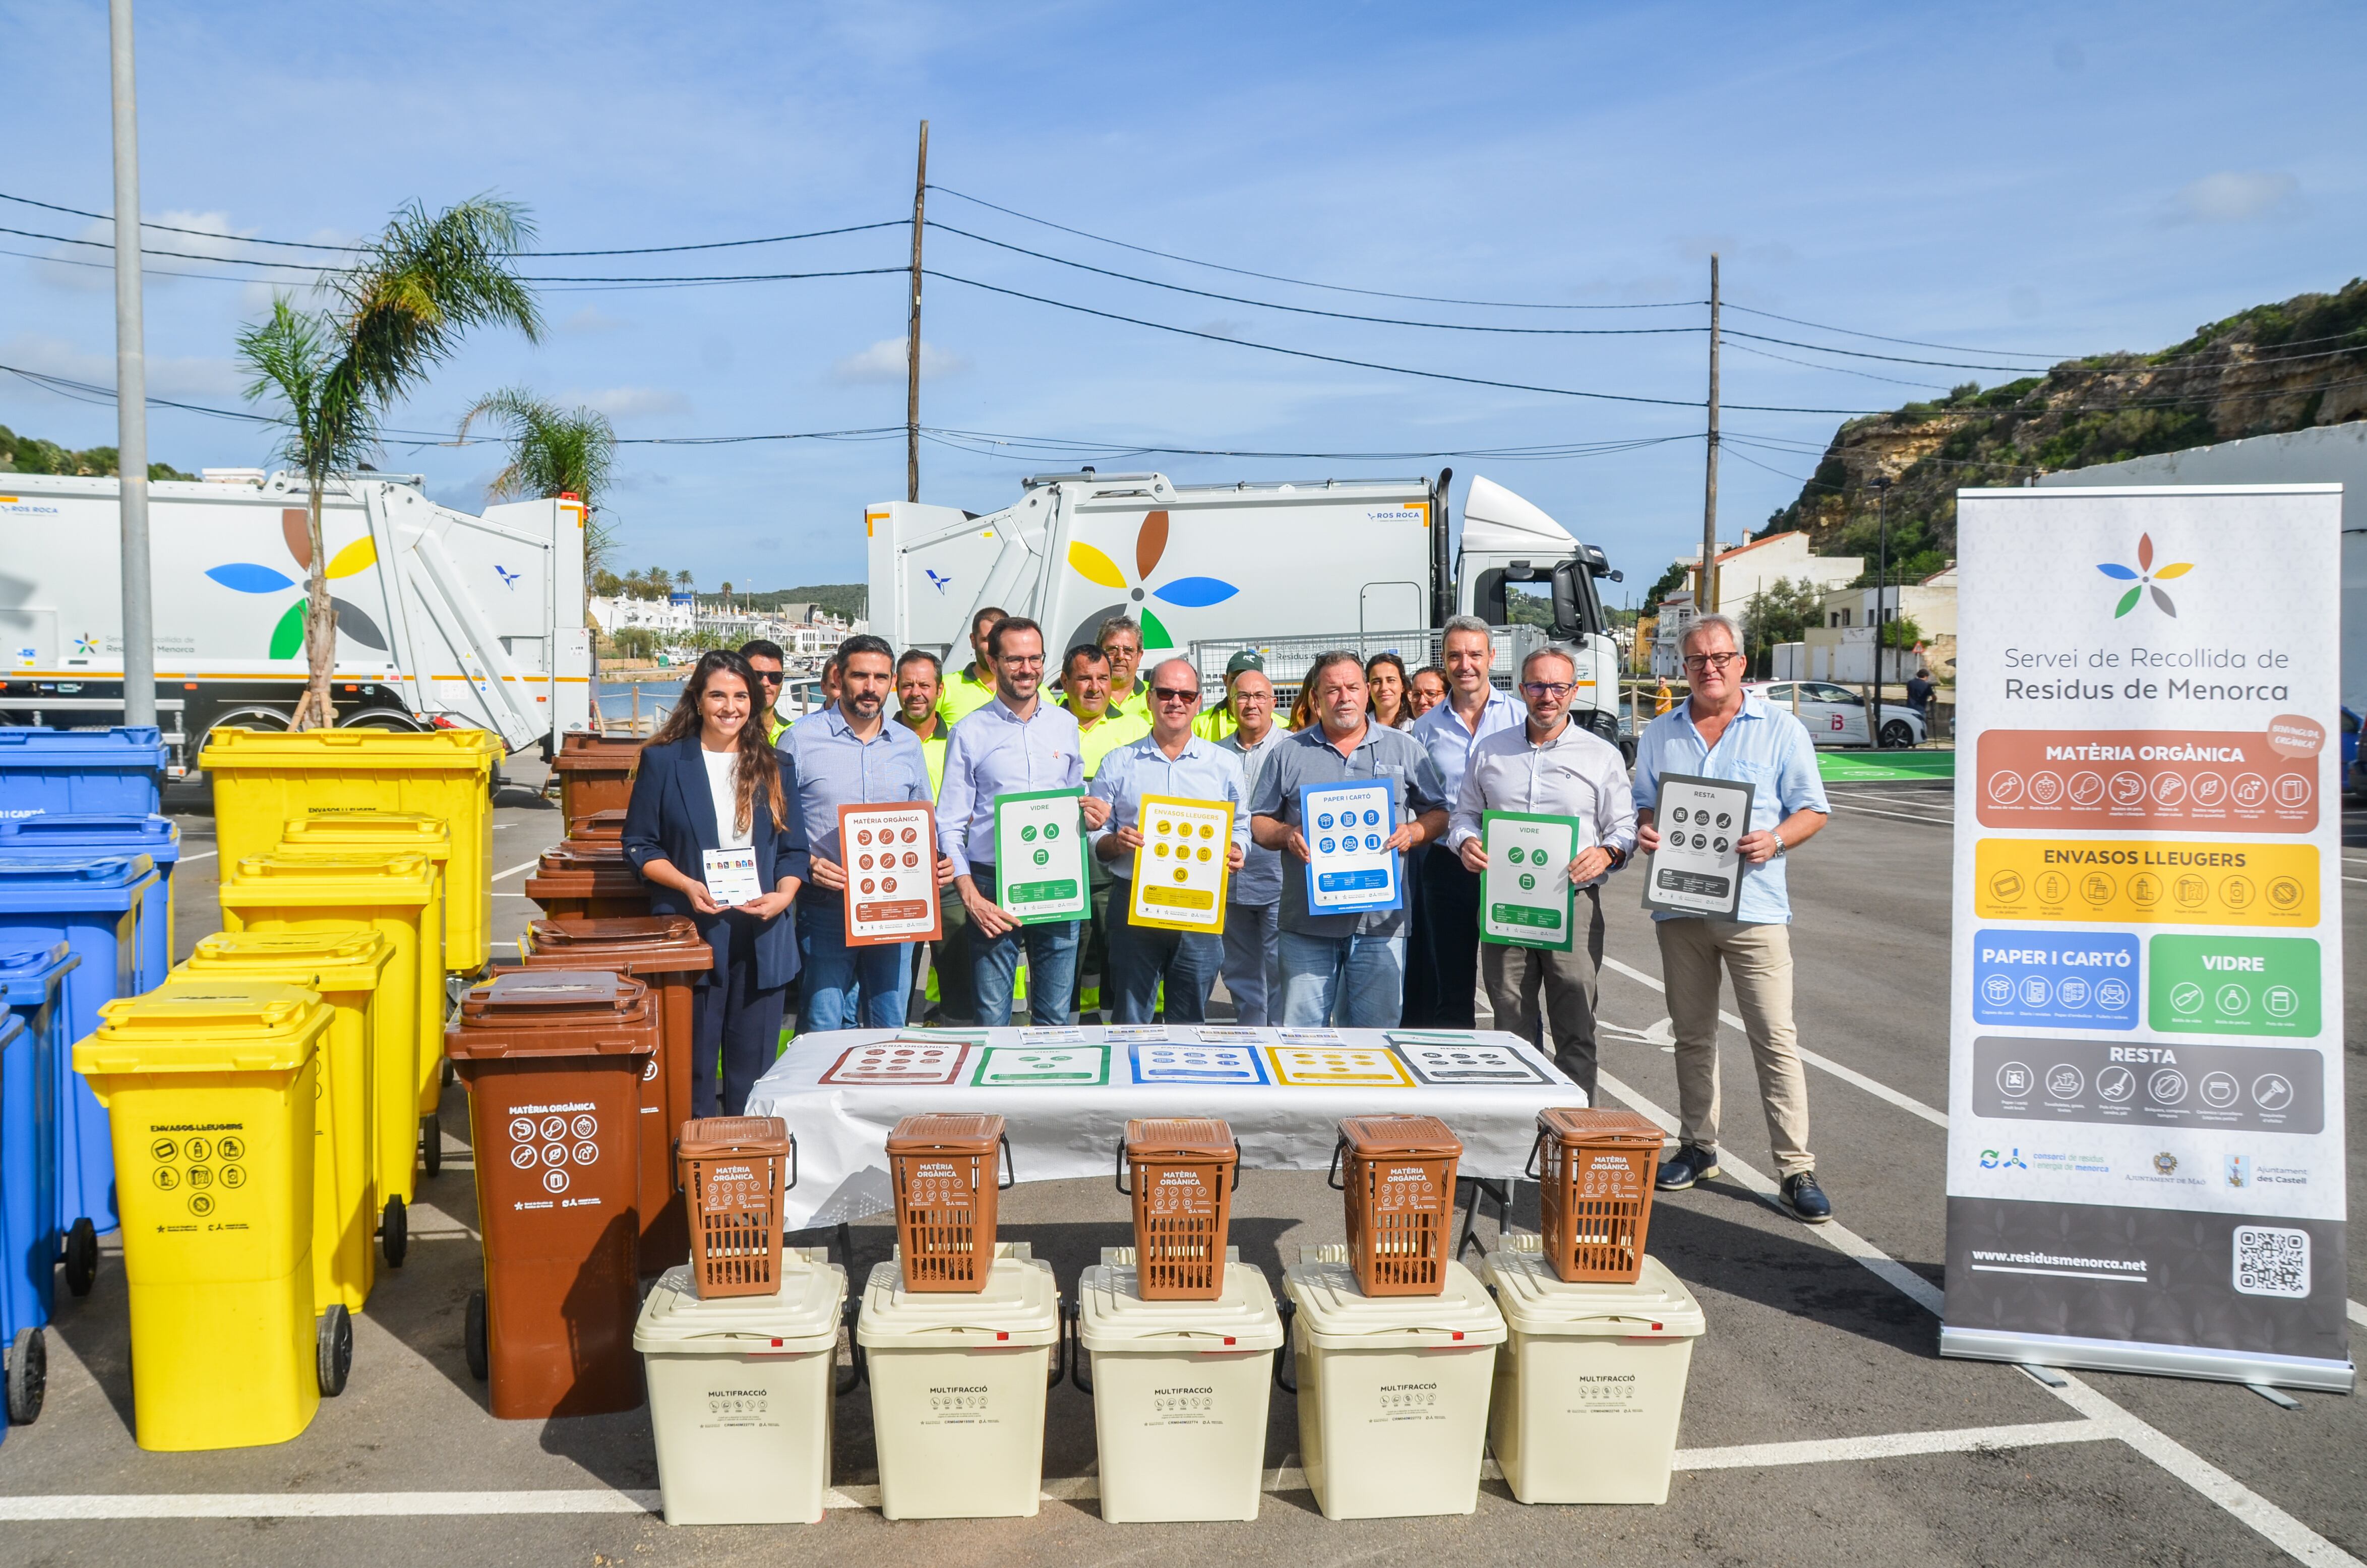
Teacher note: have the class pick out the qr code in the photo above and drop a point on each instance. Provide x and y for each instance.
(2270, 1262)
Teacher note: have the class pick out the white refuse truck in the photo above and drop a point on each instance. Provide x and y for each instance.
(442, 619)
(1288, 569)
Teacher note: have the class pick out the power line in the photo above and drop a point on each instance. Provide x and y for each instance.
(1903, 360)
(1909, 342)
(1302, 282)
(1838, 369)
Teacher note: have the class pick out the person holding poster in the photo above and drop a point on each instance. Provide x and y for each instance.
(850, 755)
(1445, 975)
(1018, 744)
(1180, 840)
(1721, 732)
(1253, 967)
(1101, 730)
(1549, 767)
(1344, 969)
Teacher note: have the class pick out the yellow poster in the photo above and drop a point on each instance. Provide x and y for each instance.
(2154, 882)
(1181, 870)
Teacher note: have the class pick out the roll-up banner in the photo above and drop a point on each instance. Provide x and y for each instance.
(2145, 1143)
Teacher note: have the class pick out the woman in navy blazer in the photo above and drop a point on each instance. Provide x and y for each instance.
(708, 782)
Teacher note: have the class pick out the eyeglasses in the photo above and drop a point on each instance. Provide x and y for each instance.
(1548, 688)
(1712, 661)
(1170, 694)
(1023, 661)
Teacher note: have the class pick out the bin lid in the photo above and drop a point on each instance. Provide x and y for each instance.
(1179, 1140)
(1019, 1306)
(29, 974)
(940, 1132)
(352, 751)
(1572, 1125)
(502, 1013)
(653, 944)
(802, 1318)
(724, 1137)
(1536, 1300)
(1339, 1317)
(430, 837)
(587, 855)
(129, 832)
(122, 745)
(235, 1026)
(1116, 1317)
(581, 753)
(93, 882)
(348, 960)
(341, 878)
(1402, 1136)
(599, 827)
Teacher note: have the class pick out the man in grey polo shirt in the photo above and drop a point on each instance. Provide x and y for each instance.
(1253, 900)
(1343, 969)
(1550, 766)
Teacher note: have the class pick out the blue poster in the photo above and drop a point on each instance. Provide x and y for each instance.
(1347, 828)
(2081, 980)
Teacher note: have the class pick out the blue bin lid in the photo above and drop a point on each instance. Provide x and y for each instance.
(28, 973)
(125, 746)
(81, 834)
(100, 882)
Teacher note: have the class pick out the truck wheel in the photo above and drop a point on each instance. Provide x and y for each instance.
(82, 1256)
(393, 1232)
(472, 1338)
(333, 1350)
(29, 1376)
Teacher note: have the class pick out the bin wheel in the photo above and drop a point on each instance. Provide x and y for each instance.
(82, 1256)
(334, 1352)
(393, 1233)
(29, 1376)
(472, 1338)
(431, 1146)
(451, 1075)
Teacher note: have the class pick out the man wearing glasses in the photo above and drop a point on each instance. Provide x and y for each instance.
(1720, 732)
(1443, 967)
(765, 657)
(1550, 766)
(1017, 742)
(1171, 760)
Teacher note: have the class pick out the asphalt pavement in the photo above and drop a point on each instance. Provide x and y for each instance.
(1820, 1426)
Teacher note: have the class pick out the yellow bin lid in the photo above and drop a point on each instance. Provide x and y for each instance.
(322, 961)
(234, 1027)
(330, 879)
(370, 751)
(430, 837)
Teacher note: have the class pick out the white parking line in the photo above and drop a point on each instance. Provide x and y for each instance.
(513, 871)
(200, 855)
(1901, 816)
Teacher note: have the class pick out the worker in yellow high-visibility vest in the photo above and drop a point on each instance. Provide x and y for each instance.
(1101, 728)
(967, 690)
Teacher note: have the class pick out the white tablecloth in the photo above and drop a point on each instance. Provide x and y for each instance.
(1065, 1104)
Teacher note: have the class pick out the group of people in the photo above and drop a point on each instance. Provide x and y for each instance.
(726, 773)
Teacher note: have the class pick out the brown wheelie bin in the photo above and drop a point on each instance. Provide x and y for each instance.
(552, 1059)
(598, 827)
(595, 774)
(589, 879)
(665, 952)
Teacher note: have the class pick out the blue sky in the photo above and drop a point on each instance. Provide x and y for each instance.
(2016, 179)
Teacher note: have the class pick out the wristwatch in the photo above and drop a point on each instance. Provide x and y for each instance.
(1780, 845)
(1618, 856)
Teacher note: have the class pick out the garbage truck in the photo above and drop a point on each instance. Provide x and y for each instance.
(444, 619)
(1290, 568)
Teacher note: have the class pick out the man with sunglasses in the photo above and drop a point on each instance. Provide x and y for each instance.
(1550, 766)
(765, 657)
(1722, 731)
(1173, 761)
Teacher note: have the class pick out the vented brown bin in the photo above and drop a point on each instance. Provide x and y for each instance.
(605, 826)
(1595, 1168)
(733, 1171)
(595, 774)
(588, 878)
(1184, 1170)
(942, 1168)
(1400, 1186)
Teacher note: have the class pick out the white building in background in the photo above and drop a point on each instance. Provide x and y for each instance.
(1743, 570)
(666, 619)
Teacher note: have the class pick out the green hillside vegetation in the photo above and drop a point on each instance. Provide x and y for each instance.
(848, 601)
(31, 454)
(2262, 371)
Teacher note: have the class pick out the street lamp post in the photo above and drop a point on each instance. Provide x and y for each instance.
(1881, 486)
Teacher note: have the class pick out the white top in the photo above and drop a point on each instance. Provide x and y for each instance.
(1576, 774)
(726, 794)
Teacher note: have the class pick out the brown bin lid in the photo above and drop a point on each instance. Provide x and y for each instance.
(586, 855)
(1384, 1137)
(962, 1132)
(581, 753)
(654, 943)
(555, 997)
(1197, 1139)
(598, 827)
(722, 1137)
(1571, 1125)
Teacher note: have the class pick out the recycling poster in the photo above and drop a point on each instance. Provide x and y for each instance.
(2146, 1134)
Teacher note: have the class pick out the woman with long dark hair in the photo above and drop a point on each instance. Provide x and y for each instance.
(709, 829)
(1385, 675)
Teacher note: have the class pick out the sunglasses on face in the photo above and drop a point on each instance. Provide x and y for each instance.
(1171, 694)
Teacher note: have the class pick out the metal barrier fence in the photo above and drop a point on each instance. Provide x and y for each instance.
(1287, 658)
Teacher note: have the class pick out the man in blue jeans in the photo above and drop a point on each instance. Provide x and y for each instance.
(1171, 761)
(849, 756)
(1343, 969)
(1017, 744)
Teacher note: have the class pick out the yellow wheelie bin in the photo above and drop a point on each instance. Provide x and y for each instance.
(265, 778)
(343, 968)
(394, 895)
(209, 1090)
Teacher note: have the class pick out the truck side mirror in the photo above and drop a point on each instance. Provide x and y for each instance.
(1568, 619)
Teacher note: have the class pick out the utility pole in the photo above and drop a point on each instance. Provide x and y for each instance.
(912, 332)
(1706, 599)
(1881, 484)
(130, 384)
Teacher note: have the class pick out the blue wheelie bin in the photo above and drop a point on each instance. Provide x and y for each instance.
(29, 1244)
(92, 906)
(80, 835)
(119, 770)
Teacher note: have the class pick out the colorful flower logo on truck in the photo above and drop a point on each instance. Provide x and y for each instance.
(288, 635)
(1150, 545)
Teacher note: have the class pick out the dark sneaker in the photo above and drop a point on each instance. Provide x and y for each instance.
(1689, 1164)
(1805, 1199)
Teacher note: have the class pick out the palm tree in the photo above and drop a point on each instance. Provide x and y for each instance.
(403, 309)
(554, 452)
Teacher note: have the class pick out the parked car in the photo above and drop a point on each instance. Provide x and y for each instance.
(2354, 776)
(1836, 716)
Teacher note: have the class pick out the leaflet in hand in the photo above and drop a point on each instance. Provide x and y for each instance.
(1347, 827)
(731, 876)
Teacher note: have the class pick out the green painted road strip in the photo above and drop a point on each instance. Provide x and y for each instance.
(1885, 767)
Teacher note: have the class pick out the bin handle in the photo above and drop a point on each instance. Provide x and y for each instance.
(858, 1366)
(1529, 1171)
(1236, 1165)
(1289, 1310)
(1072, 1329)
(1122, 1187)
(1010, 1171)
(1060, 1348)
(1333, 1180)
(793, 1163)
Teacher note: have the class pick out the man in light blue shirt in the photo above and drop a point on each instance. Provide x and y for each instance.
(1443, 956)
(849, 756)
(1017, 744)
(1721, 732)
(1172, 761)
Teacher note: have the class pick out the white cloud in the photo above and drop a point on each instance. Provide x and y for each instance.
(182, 378)
(2237, 196)
(885, 361)
(631, 403)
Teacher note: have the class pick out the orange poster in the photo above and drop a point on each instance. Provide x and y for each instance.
(2177, 781)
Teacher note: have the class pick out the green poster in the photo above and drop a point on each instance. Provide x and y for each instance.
(2257, 985)
(1039, 854)
(1525, 899)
